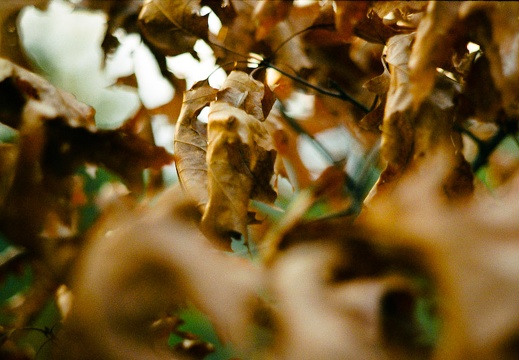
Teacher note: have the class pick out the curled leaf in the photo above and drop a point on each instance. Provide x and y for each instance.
(240, 156)
(497, 30)
(231, 162)
(436, 38)
(191, 144)
(409, 135)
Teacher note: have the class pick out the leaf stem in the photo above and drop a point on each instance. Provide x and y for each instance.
(313, 27)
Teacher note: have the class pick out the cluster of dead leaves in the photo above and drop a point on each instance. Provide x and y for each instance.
(52, 136)
(365, 278)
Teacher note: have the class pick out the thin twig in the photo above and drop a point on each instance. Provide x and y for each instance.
(339, 95)
(467, 132)
(349, 98)
(313, 27)
(486, 148)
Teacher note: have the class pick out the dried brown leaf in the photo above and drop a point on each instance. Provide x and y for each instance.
(173, 26)
(318, 317)
(18, 85)
(398, 123)
(105, 148)
(236, 39)
(434, 46)
(409, 135)
(123, 284)
(240, 155)
(496, 29)
(191, 144)
(380, 86)
(268, 14)
(373, 29)
(35, 191)
(229, 163)
(56, 134)
(472, 250)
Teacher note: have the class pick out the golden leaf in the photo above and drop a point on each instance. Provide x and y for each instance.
(240, 155)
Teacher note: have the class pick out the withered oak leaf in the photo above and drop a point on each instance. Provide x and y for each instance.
(231, 160)
(55, 135)
(240, 155)
(173, 26)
